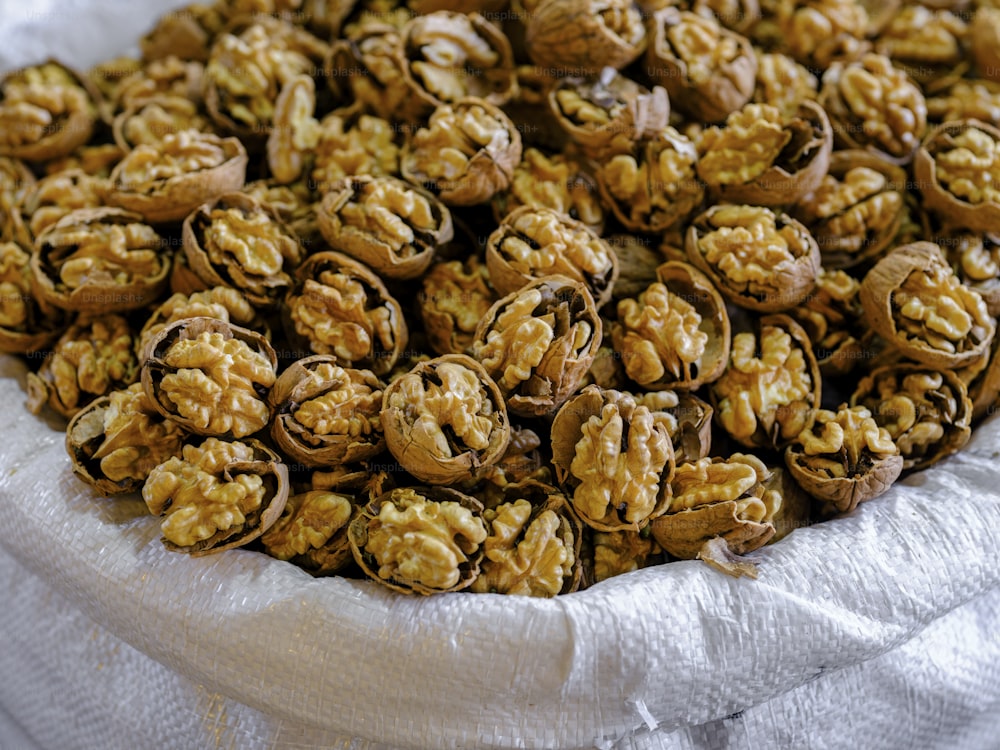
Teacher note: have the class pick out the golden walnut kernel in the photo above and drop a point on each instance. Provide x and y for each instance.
(312, 532)
(613, 457)
(760, 259)
(341, 307)
(966, 98)
(783, 83)
(420, 540)
(533, 546)
(533, 242)
(392, 226)
(210, 376)
(820, 32)
(217, 495)
(164, 183)
(295, 131)
(875, 106)
(45, 201)
(584, 35)
(857, 209)
(771, 387)
(25, 325)
(614, 553)
(765, 157)
(148, 122)
(913, 299)
(538, 343)
(116, 440)
(465, 154)
(708, 70)
(94, 356)
(454, 296)
(366, 67)
(956, 170)
(445, 419)
(975, 257)
(15, 179)
(929, 44)
(354, 144)
(832, 317)
(237, 241)
(655, 187)
(325, 414)
(926, 411)
(99, 260)
(719, 509)
(675, 333)
(844, 458)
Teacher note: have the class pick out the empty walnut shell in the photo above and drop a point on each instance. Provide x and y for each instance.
(719, 509)
(325, 414)
(392, 226)
(117, 439)
(913, 299)
(534, 544)
(311, 532)
(420, 540)
(674, 334)
(97, 260)
(956, 169)
(217, 495)
(210, 376)
(926, 411)
(538, 343)
(844, 458)
(445, 420)
(165, 183)
(613, 457)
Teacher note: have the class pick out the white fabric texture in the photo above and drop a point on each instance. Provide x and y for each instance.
(878, 630)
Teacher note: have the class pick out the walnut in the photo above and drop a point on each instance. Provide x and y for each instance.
(976, 259)
(26, 325)
(465, 154)
(558, 181)
(605, 114)
(832, 317)
(221, 302)
(46, 111)
(956, 169)
(146, 123)
(719, 509)
(392, 226)
(325, 414)
(186, 33)
(857, 209)
(295, 131)
(819, 33)
(783, 83)
(340, 306)
(366, 67)
(760, 258)
(984, 35)
(15, 180)
(614, 553)
(538, 342)
(99, 260)
(247, 68)
(420, 540)
(116, 440)
(771, 387)
(844, 458)
(355, 144)
(217, 495)
(533, 546)
(312, 532)
(913, 299)
(236, 241)
(445, 420)
(166, 182)
(655, 187)
(170, 77)
(929, 44)
(876, 106)
(294, 204)
(46, 200)
(448, 56)
(584, 35)
(614, 458)
(764, 157)
(93, 357)
(674, 334)
(966, 99)
(533, 242)
(522, 463)
(210, 376)
(454, 296)
(926, 411)
(708, 70)
(738, 15)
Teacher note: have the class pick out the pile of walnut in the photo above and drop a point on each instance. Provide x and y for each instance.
(509, 295)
